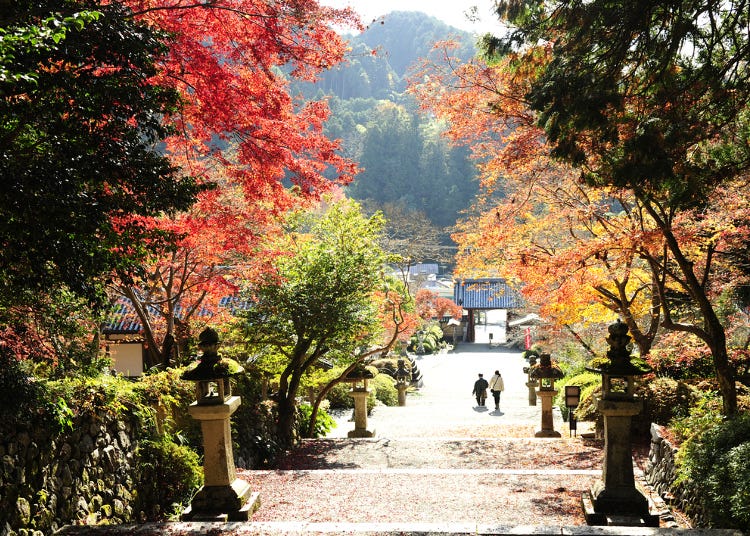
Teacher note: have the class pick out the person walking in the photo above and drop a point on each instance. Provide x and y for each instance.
(480, 391)
(497, 386)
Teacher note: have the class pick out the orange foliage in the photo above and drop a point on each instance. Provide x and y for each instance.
(579, 253)
(573, 251)
(430, 305)
(396, 315)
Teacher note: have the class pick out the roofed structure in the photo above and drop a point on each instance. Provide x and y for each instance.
(123, 319)
(485, 293)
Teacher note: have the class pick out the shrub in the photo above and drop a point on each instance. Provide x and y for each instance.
(718, 462)
(666, 398)
(705, 414)
(681, 357)
(432, 340)
(172, 396)
(163, 462)
(535, 350)
(389, 365)
(20, 394)
(254, 425)
(324, 423)
(385, 389)
(339, 396)
(585, 380)
(586, 410)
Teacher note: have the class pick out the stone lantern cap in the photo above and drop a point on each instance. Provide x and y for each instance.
(545, 369)
(402, 373)
(211, 365)
(619, 362)
(359, 373)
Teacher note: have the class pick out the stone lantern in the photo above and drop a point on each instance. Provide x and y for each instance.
(530, 383)
(358, 378)
(546, 373)
(615, 500)
(420, 341)
(223, 497)
(402, 375)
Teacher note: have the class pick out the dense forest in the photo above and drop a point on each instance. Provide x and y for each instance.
(404, 159)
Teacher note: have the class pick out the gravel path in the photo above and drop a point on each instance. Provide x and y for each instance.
(439, 459)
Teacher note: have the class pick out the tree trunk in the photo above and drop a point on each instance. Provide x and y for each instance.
(167, 349)
(712, 333)
(287, 400)
(724, 372)
(287, 418)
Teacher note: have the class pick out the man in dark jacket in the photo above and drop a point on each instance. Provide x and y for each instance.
(480, 390)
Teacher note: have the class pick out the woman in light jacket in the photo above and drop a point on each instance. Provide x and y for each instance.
(496, 387)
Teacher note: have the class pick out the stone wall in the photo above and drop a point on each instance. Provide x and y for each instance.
(108, 460)
(84, 475)
(661, 474)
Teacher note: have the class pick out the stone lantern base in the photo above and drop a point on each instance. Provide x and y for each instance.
(360, 413)
(618, 507)
(401, 387)
(223, 503)
(616, 500)
(548, 425)
(358, 433)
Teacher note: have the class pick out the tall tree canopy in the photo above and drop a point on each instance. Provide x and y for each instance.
(119, 117)
(572, 251)
(653, 97)
(80, 120)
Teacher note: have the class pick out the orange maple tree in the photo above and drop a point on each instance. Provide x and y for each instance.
(430, 305)
(573, 245)
(536, 225)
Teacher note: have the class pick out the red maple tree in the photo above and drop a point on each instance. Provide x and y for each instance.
(240, 129)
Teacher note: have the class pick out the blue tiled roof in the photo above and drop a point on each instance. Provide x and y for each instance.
(486, 293)
(123, 319)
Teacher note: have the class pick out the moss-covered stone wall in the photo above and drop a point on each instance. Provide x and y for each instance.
(87, 474)
(661, 474)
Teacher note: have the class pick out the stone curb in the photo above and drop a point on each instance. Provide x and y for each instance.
(423, 471)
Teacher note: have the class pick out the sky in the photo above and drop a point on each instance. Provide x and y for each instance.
(451, 12)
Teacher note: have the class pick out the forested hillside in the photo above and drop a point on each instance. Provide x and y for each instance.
(405, 160)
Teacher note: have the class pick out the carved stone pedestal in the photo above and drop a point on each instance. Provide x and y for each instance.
(548, 425)
(616, 499)
(532, 385)
(360, 413)
(401, 388)
(223, 497)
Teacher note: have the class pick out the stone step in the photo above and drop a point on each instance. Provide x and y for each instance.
(372, 529)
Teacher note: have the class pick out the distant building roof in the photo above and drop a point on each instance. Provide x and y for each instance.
(424, 268)
(485, 293)
(122, 318)
(532, 318)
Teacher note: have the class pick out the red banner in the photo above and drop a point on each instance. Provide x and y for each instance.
(528, 338)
